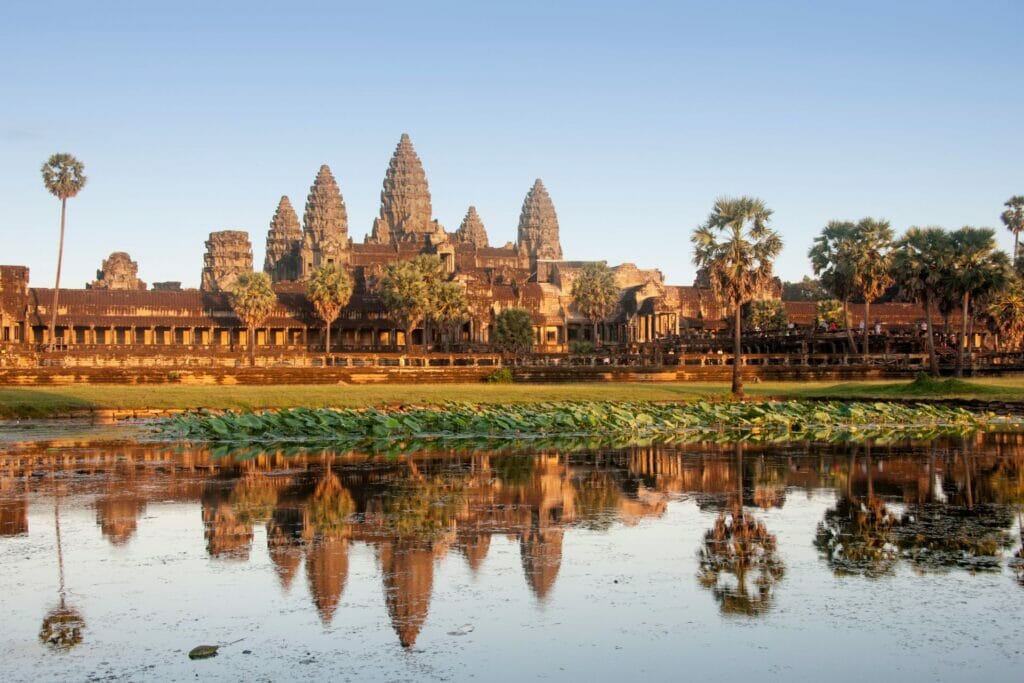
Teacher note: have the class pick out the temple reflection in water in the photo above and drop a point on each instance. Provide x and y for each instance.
(939, 506)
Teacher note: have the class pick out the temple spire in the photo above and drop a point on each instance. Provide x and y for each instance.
(325, 224)
(405, 210)
(538, 226)
(472, 230)
(284, 240)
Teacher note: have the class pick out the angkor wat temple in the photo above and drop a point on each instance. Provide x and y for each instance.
(117, 310)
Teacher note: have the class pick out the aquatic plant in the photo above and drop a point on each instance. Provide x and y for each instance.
(725, 422)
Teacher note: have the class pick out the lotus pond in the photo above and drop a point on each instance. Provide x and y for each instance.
(555, 542)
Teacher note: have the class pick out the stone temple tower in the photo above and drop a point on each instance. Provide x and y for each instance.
(325, 225)
(538, 227)
(472, 230)
(405, 211)
(228, 255)
(284, 241)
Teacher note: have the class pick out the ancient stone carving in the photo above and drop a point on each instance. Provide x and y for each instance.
(118, 272)
(325, 225)
(538, 226)
(405, 212)
(228, 255)
(284, 240)
(472, 230)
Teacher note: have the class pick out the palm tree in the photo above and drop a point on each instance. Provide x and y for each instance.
(330, 290)
(920, 261)
(1007, 311)
(252, 298)
(872, 264)
(832, 258)
(450, 308)
(595, 293)
(977, 269)
(736, 248)
(405, 296)
(1013, 219)
(64, 177)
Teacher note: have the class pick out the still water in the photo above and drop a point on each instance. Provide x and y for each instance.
(710, 562)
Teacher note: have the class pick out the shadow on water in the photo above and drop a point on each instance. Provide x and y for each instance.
(945, 505)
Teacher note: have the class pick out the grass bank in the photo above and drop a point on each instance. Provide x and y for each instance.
(40, 402)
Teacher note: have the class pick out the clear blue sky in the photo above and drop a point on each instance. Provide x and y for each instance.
(636, 115)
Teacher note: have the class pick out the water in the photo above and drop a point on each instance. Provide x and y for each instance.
(709, 562)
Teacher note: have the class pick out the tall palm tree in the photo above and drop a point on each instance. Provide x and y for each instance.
(736, 248)
(329, 289)
(920, 260)
(64, 177)
(1013, 219)
(832, 258)
(977, 269)
(872, 267)
(252, 298)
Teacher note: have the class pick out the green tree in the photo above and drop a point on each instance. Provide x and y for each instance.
(64, 177)
(434, 276)
(595, 293)
(1013, 219)
(766, 314)
(1007, 312)
(736, 248)
(409, 290)
(828, 311)
(977, 269)
(450, 309)
(808, 289)
(872, 266)
(513, 331)
(329, 289)
(921, 260)
(832, 258)
(252, 298)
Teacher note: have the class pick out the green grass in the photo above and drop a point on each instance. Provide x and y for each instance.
(38, 402)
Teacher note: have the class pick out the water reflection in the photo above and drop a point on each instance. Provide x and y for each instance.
(738, 560)
(929, 507)
(62, 625)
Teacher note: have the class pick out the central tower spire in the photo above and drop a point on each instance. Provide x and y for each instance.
(405, 211)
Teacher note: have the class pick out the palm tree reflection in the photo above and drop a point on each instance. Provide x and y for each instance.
(63, 625)
(738, 560)
(857, 535)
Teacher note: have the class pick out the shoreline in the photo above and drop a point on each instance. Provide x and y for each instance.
(116, 403)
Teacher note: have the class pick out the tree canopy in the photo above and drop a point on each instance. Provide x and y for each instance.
(329, 289)
(595, 292)
(253, 299)
(513, 331)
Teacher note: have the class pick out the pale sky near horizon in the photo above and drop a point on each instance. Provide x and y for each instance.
(192, 118)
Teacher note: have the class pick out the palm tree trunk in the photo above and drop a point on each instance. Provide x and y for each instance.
(963, 336)
(867, 317)
(327, 335)
(846, 324)
(737, 356)
(252, 346)
(596, 343)
(933, 360)
(56, 286)
(1016, 248)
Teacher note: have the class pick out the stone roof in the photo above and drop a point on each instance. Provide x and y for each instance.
(405, 210)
